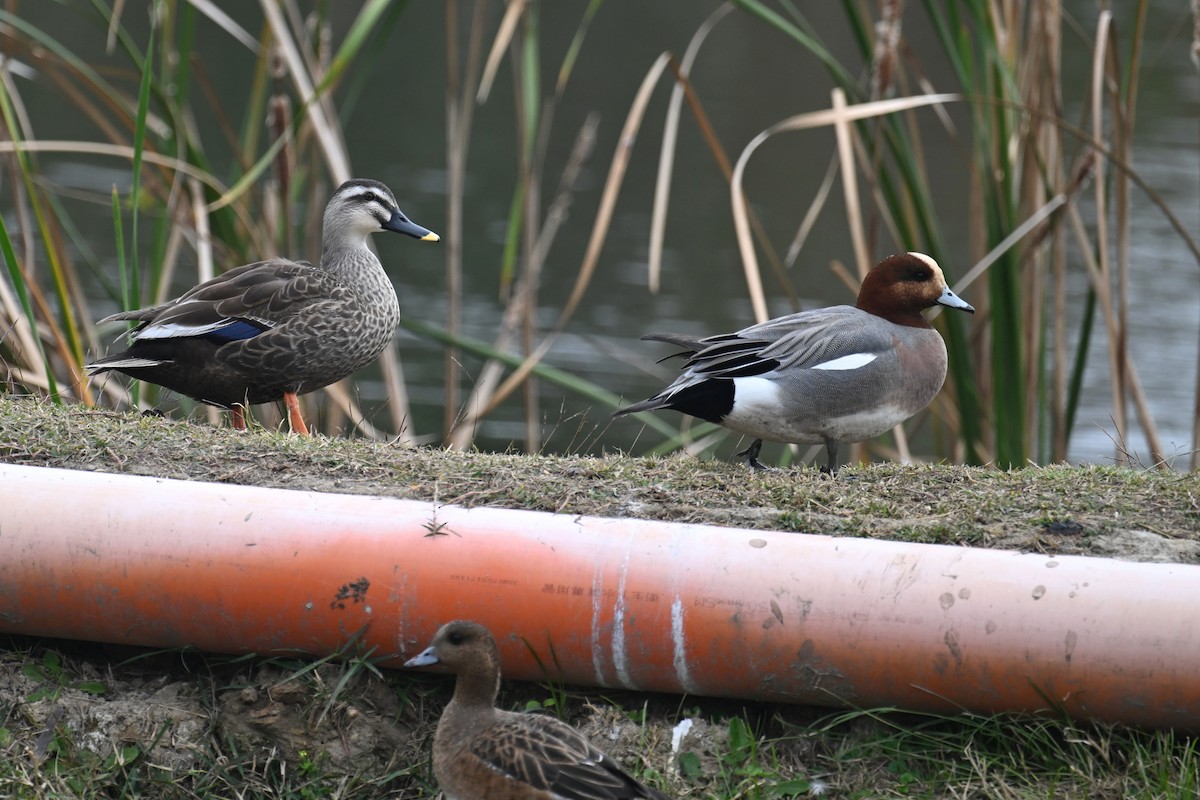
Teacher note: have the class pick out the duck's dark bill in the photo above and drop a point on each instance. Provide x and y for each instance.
(401, 224)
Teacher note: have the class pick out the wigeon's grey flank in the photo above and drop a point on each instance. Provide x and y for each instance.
(483, 753)
(832, 375)
(276, 328)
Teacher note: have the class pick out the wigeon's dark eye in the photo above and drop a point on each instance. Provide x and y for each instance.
(456, 638)
(919, 274)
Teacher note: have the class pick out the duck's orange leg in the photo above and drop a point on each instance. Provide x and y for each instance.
(237, 417)
(295, 419)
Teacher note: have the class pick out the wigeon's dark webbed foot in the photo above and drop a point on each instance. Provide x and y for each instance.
(831, 459)
(751, 456)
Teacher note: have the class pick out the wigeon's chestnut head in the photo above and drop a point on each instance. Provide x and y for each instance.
(483, 753)
(828, 376)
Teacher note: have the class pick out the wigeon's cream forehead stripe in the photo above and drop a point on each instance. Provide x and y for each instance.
(933, 265)
(927, 259)
(852, 361)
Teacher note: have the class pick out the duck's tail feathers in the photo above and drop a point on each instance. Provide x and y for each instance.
(690, 344)
(653, 404)
(136, 315)
(121, 363)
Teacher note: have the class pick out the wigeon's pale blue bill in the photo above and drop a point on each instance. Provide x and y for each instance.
(951, 300)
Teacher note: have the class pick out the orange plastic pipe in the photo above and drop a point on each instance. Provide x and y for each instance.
(642, 605)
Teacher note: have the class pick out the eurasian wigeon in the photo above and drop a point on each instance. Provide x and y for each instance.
(483, 753)
(831, 375)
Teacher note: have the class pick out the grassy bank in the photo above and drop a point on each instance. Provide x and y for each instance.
(81, 719)
(1098, 510)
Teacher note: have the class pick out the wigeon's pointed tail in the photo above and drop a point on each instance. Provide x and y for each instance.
(653, 404)
(690, 344)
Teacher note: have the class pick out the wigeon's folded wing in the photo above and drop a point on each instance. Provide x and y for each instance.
(553, 758)
(828, 338)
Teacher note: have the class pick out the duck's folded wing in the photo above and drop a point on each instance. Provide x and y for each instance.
(555, 758)
(238, 304)
(829, 338)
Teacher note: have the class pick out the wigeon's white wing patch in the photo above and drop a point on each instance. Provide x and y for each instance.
(852, 361)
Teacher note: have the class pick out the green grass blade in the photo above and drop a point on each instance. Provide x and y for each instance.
(127, 282)
(364, 47)
(134, 294)
(60, 51)
(375, 14)
(70, 329)
(568, 62)
(531, 86)
(18, 280)
(809, 41)
(1075, 386)
(127, 297)
(512, 238)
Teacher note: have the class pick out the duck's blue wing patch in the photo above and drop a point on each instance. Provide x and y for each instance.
(235, 330)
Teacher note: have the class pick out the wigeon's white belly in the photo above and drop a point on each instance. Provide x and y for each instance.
(761, 410)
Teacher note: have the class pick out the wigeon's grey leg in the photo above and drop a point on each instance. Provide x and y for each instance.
(751, 455)
(831, 461)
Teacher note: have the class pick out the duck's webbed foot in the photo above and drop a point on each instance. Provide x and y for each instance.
(751, 455)
(831, 458)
